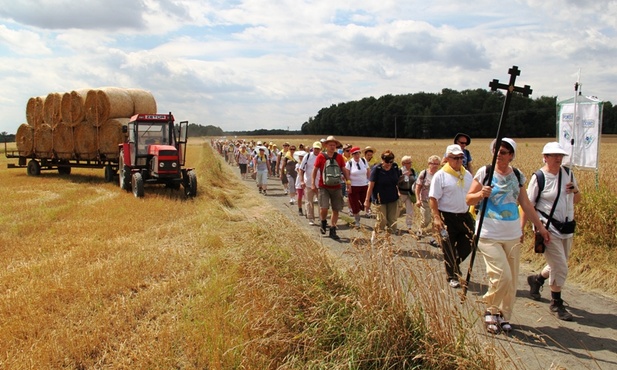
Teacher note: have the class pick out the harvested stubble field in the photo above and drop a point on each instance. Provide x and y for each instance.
(96, 278)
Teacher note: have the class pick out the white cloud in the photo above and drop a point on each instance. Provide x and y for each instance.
(23, 42)
(258, 63)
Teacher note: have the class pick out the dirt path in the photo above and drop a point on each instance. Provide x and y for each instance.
(539, 339)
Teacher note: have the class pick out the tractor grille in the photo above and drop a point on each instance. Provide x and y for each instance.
(166, 167)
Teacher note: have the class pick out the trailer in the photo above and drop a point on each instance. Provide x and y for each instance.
(36, 162)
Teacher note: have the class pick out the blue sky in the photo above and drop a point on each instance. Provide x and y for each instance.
(249, 64)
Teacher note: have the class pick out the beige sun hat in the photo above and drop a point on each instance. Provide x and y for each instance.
(369, 149)
(332, 139)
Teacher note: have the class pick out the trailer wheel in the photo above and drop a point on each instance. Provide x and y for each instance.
(64, 168)
(138, 185)
(109, 173)
(191, 188)
(34, 168)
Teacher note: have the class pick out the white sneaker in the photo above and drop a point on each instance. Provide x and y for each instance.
(454, 283)
(311, 222)
(291, 201)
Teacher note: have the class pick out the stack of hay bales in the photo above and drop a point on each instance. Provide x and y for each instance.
(81, 124)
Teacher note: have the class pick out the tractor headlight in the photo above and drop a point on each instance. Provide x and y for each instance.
(162, 164)
(174, 164)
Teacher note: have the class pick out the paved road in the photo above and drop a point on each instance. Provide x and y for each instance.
(539, 341)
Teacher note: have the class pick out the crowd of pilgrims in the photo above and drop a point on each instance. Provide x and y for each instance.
(446, 193)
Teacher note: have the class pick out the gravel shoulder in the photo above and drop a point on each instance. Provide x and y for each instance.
(539, 339)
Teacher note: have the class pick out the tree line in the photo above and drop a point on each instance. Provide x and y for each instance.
(441, 115)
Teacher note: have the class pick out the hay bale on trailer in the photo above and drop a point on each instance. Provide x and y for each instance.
(72, 107)
(43, 146)
(85, 141)
(34, 111)
(96, 111)
(110, 136)
(62, 136)
(51, 109)
(143, 101)
(24, 138)
(119, 102)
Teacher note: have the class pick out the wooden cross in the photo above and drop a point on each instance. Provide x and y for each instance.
(513, 72)
(494, 85)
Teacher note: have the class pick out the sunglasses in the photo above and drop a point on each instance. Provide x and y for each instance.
(433, 164)
(388, 161)
(456, 158)
(462, 143)
(406, 162)
(504, 152)
(358, 165)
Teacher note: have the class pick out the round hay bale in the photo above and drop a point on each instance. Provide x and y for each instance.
(51, 109)
(110, 136)
(43, 145)
(24, 138)
(63, 140)
(95, 111)
(72, 107)
(143, 101)
(120, 102)
(84, 138)
(34, 111)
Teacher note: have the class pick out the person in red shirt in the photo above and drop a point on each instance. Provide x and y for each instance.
(329, 195)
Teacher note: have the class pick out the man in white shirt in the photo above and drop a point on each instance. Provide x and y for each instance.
(451, 213)
(306, 181)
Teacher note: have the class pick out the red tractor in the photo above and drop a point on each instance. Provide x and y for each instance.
(154, 154)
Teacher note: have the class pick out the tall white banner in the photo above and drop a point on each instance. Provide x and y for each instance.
(586, 130)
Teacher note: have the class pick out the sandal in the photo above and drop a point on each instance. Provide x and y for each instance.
(503, 323)
(492, 323)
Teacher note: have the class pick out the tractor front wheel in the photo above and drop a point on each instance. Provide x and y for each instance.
(191, 187)
(138, 185)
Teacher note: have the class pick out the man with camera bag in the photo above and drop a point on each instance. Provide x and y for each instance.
(553, 191)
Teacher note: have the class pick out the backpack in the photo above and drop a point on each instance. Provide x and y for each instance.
(331, 172)
(541, 181)
(349, 163)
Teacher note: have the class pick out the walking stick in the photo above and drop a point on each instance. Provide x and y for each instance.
(494, 85)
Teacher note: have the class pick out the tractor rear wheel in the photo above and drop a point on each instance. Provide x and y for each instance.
(125, 174)
(191, 188)
(138, 185)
